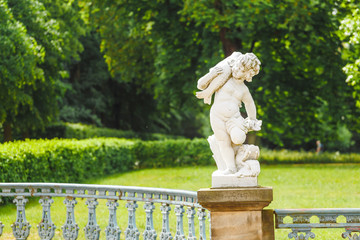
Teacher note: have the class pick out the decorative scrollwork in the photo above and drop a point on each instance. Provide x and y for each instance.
(301, 219)
(112, 231)
(165, 231)
(92, 229)
(349, 234)
(46, 227)
(352, 218)
(149, 233)
(202, 227)
(327, 218)
(70, 228)
(21, 227)
(131, 232)
(179, 210)
(295, 234)
(191, 215)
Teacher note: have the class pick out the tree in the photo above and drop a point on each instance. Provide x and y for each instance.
(166, 45)
(349, 32)
(54, 31)
(20, 55)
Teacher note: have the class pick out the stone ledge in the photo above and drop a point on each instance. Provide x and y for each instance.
(235, 199)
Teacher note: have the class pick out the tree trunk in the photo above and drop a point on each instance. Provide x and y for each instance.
(7, 132)
(229, 46)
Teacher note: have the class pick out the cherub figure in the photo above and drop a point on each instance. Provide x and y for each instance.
(226, 80)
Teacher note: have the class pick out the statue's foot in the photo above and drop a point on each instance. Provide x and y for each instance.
(228, 172)
(244, 172)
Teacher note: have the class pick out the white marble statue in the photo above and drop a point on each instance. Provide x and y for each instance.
(226, 80)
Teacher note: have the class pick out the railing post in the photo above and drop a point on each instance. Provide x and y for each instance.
(149, 233)
(191, 215)
(92, 229)
(70, 228)
(112, 231)
(46, 228)
(237, 213)
(179, 210)
(131, 232)
(165, 231)
(21, 227)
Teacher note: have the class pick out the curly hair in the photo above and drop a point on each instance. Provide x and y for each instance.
(245, 62)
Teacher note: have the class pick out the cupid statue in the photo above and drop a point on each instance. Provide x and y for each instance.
(226, 80)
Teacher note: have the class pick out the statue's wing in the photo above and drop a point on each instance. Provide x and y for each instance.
(213, 81)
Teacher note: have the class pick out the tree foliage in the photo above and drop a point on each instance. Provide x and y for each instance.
(46, 33)
(350, 33)
(166, 45)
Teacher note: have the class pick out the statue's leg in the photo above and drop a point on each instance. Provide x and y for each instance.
(228, 156)
(224, 142)
(237, 135)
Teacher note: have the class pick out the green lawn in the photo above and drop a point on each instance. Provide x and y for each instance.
(295, 186)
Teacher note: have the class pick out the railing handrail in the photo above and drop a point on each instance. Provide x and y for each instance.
(315, 211)
(116, 192)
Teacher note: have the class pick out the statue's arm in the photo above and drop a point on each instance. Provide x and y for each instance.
(215, 84)
(249, 105)
(204, 81)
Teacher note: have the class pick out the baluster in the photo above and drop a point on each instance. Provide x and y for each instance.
(165, 232)
(191, 216)
(112, 231)
(70, 228)
(131, 232)
(46, 227)
(21, 227)
(149, 233)
(209, 217)
(1, 228)
(179, 210)
(92, 229)
(202, 225)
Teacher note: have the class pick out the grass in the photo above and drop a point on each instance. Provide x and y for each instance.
(295, 186)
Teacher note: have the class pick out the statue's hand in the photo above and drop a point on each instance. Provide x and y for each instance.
(253, 125)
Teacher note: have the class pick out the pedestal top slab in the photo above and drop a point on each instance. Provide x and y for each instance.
(235, 199)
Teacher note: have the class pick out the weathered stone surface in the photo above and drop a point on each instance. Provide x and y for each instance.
(237, 213)
(231, 199)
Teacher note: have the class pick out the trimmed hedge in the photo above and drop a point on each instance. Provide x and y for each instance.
(63, 160)
(83, 131)
(301, 157)
(71, 160)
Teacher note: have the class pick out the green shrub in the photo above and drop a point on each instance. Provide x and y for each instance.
(169, 153)
(299, 157)
(70, 160)
(83, 131)
(63, 160)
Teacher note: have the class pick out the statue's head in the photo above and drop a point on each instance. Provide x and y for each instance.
(246, 66)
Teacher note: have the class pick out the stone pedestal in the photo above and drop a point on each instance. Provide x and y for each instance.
(230, 181)
(237, 213)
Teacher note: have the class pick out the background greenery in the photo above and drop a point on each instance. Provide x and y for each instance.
(133, 65)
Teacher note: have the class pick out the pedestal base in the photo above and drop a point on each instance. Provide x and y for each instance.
(230, 181)
(237, 213)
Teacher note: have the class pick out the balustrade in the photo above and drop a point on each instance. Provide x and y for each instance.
(153, 198)
(299, 221)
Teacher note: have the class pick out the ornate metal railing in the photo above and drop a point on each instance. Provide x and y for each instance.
(302, 221)
(70, 230)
